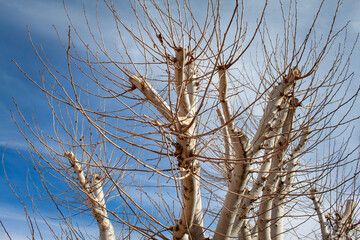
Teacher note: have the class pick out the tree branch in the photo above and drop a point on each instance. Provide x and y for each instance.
(95, 197)
(263, 174)
(322, 220)
(153, 97)
(283, 187)
(237, 183)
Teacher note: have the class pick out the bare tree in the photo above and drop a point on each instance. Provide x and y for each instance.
(202, 124)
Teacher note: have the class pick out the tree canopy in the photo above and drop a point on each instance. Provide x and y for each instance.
(206, 120)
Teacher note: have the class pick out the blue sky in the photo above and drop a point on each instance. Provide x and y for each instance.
(40, 16)
(15, 16)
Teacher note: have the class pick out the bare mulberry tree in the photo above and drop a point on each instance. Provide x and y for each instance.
(202, 124)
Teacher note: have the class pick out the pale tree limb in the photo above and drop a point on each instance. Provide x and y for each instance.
(345, 220)
(238, 139)
(95, 198)
(196, 230)
(239, 179)
(226, 137)
(258, 186)
(320, 213)
(191, 220)
(277, 95)
(245, 233)
(283, 188)
(192, 86)
(237, 183)
(277, 161)
(341, 223)
(190, 191)
(264, 214)
(153, 97)
(181, 83)
(275, 98)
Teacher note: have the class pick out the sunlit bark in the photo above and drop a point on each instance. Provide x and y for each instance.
(96, 199)
(201, 124)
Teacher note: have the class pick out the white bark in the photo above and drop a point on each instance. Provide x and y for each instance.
(244, 154)
(345, 220)
(181, 83)
(245, 233)
(263, 174)
(320, 213)
(196, 230)
(274, 181)
(95, 197)
(191, 220)
(191, 195)
(264, 213)
(226, 134)
(151, 94)
(341, 225)
(283, 188)
(277, 224)
(238, 180)
(275, 98)
(105, 226)
(192, 87)
(190, 191)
